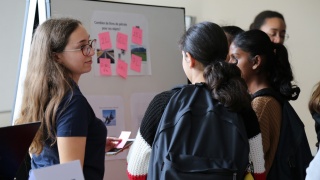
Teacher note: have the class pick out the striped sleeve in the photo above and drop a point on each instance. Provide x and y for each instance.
(139, 153)
(256, 156)
(138, 159)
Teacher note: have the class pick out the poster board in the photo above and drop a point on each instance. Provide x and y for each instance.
(160, 67)
(126, 97)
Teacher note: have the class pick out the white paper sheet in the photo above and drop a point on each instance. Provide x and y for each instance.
(71, 170)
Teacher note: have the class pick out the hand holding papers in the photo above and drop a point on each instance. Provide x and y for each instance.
(125, 143)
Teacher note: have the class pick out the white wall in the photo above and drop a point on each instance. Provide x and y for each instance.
(303, 44)
(11, 19)
(302, 27)
(5, 119)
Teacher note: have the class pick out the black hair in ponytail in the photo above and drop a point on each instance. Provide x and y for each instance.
(276, 63)
(282, 78)
(207, 43)
(224, 79)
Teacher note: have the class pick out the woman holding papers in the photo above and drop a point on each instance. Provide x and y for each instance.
(61, 51)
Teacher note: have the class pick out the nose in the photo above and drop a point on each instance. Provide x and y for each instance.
(277, 39)
(92, 52)
(228, 58)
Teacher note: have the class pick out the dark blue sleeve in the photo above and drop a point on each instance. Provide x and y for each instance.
(74, 117)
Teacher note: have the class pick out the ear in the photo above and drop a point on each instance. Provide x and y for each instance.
(256, 60)
(190, 60)
(57, 57)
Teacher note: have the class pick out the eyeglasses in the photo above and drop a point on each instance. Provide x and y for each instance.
(86, 49)
(281, 36)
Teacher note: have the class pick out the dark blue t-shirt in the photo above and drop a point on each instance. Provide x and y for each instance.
(75, 118)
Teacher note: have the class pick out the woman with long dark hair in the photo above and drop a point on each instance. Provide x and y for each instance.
(265, 65)
(204, 49)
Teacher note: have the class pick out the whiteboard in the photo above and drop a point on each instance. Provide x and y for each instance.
(165, 25)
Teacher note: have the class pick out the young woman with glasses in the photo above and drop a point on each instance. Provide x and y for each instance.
(273, 24)
(61, 51)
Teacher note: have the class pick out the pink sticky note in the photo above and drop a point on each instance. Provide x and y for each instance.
(124, 136)
(136, 35)
(122, 41)
(135, 63)
(105, 66)
(122, 68)
(105, 42)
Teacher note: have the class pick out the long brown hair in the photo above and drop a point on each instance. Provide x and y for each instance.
(314, 102)
(46, 81)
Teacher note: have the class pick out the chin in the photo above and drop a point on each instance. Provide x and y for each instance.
(87, 70)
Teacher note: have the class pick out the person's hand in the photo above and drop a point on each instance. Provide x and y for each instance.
(111, 143)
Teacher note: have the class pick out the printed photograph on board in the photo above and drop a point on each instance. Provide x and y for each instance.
(109, 117)
(108, 53)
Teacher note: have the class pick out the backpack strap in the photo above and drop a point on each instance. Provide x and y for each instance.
(178, 87)
(268, 92)
(190, 91)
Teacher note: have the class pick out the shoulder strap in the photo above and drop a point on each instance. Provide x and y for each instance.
(268, 92)
(188, 85)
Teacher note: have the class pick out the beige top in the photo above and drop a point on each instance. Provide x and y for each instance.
(269, 113)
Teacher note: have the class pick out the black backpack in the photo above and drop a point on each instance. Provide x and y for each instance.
(198, 138)
(293, 154)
